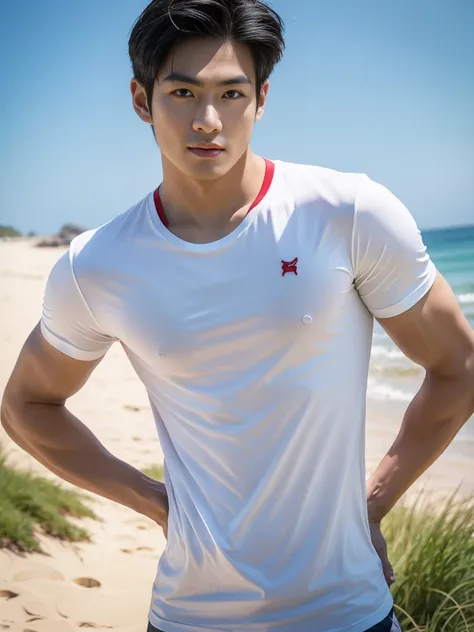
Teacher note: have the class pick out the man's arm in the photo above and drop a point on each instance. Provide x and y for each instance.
(434, 334)
(34, 415)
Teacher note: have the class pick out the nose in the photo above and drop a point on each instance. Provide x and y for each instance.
(207, 120)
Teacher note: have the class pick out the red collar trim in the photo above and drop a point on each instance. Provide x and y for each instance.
(159, 207)
(267, 180)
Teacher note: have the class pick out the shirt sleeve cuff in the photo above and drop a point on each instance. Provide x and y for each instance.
(67, 348)
(409, 301)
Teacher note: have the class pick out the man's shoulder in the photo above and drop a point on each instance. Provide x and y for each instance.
(322, 183)
(102, 242)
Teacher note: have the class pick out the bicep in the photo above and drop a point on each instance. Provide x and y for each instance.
(434, 333)
(43, 374)
(64, 348)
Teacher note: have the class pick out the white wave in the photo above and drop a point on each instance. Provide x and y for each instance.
(466, 299)
(384, 391)
(384, 352)
(380, 335)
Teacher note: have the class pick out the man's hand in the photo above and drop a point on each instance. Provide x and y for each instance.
(162, 509)
(154, 503)
(380, 546)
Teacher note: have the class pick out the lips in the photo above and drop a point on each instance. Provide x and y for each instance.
(206, 151)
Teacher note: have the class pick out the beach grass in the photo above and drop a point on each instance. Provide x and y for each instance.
(31, 505)
(431, 546)
(155, 471)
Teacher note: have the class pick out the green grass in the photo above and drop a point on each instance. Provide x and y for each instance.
(9, 231)
(31, 504)
(155, 471)
(431, 547)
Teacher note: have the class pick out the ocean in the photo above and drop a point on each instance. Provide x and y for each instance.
(392, 376)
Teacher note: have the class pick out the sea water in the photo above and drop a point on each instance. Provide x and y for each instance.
(392, 376)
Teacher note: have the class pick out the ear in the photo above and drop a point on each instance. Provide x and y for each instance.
(262, 100)
(139, 101)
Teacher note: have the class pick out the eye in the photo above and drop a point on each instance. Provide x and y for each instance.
(182, 93)
(233, 95)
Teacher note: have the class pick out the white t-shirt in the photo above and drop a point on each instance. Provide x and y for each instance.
(254, 350)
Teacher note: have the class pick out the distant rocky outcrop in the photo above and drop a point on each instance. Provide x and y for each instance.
(62, 238)
(9, 231)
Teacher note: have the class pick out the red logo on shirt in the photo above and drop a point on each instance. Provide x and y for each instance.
(289, 266)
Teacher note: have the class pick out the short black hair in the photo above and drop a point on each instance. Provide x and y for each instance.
(166, 23)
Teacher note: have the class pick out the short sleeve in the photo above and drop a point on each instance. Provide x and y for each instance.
(392, 269)
(67, 322)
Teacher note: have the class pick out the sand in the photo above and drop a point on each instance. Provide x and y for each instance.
(106, 584)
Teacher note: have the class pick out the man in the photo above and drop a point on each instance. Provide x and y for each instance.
(243, 290)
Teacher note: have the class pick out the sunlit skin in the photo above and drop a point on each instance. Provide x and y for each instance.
(205, 93)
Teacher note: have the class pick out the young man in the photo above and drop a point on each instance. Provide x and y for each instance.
(244, 292)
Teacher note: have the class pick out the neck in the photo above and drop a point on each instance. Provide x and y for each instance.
(187, 200)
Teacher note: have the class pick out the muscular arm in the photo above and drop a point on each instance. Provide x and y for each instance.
(435, 335)
(35, 416)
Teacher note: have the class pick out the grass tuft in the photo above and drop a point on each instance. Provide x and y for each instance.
(30, 504)
(155, 471)
(431, 547)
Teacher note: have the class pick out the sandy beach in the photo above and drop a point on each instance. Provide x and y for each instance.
(106, 584)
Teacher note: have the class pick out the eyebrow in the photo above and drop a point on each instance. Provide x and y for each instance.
(179, 77)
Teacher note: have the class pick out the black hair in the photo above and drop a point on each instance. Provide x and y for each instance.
(166, 23)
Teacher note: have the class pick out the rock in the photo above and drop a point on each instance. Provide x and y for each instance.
(69, 231)
(52, 242)
(63, 238)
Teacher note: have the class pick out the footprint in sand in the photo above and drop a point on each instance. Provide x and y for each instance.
(49, 625)
(39, 609)
(11, 608)
(138, 549)
(38, 572)
(87, 582)
(140, 524)
(133, 409)
(125, 538)
(103, 609)
(8, 594)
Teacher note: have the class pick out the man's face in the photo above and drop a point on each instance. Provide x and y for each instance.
(205, 94)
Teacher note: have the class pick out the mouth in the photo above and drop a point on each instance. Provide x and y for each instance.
(204, 150)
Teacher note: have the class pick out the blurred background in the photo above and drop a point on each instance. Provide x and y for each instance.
(385, 88)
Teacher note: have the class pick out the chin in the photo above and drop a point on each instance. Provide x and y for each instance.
(207, 171)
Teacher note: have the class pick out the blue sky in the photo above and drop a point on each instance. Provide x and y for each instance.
(377, 86)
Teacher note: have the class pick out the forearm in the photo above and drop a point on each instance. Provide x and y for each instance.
(61, 442)
(432, 420)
